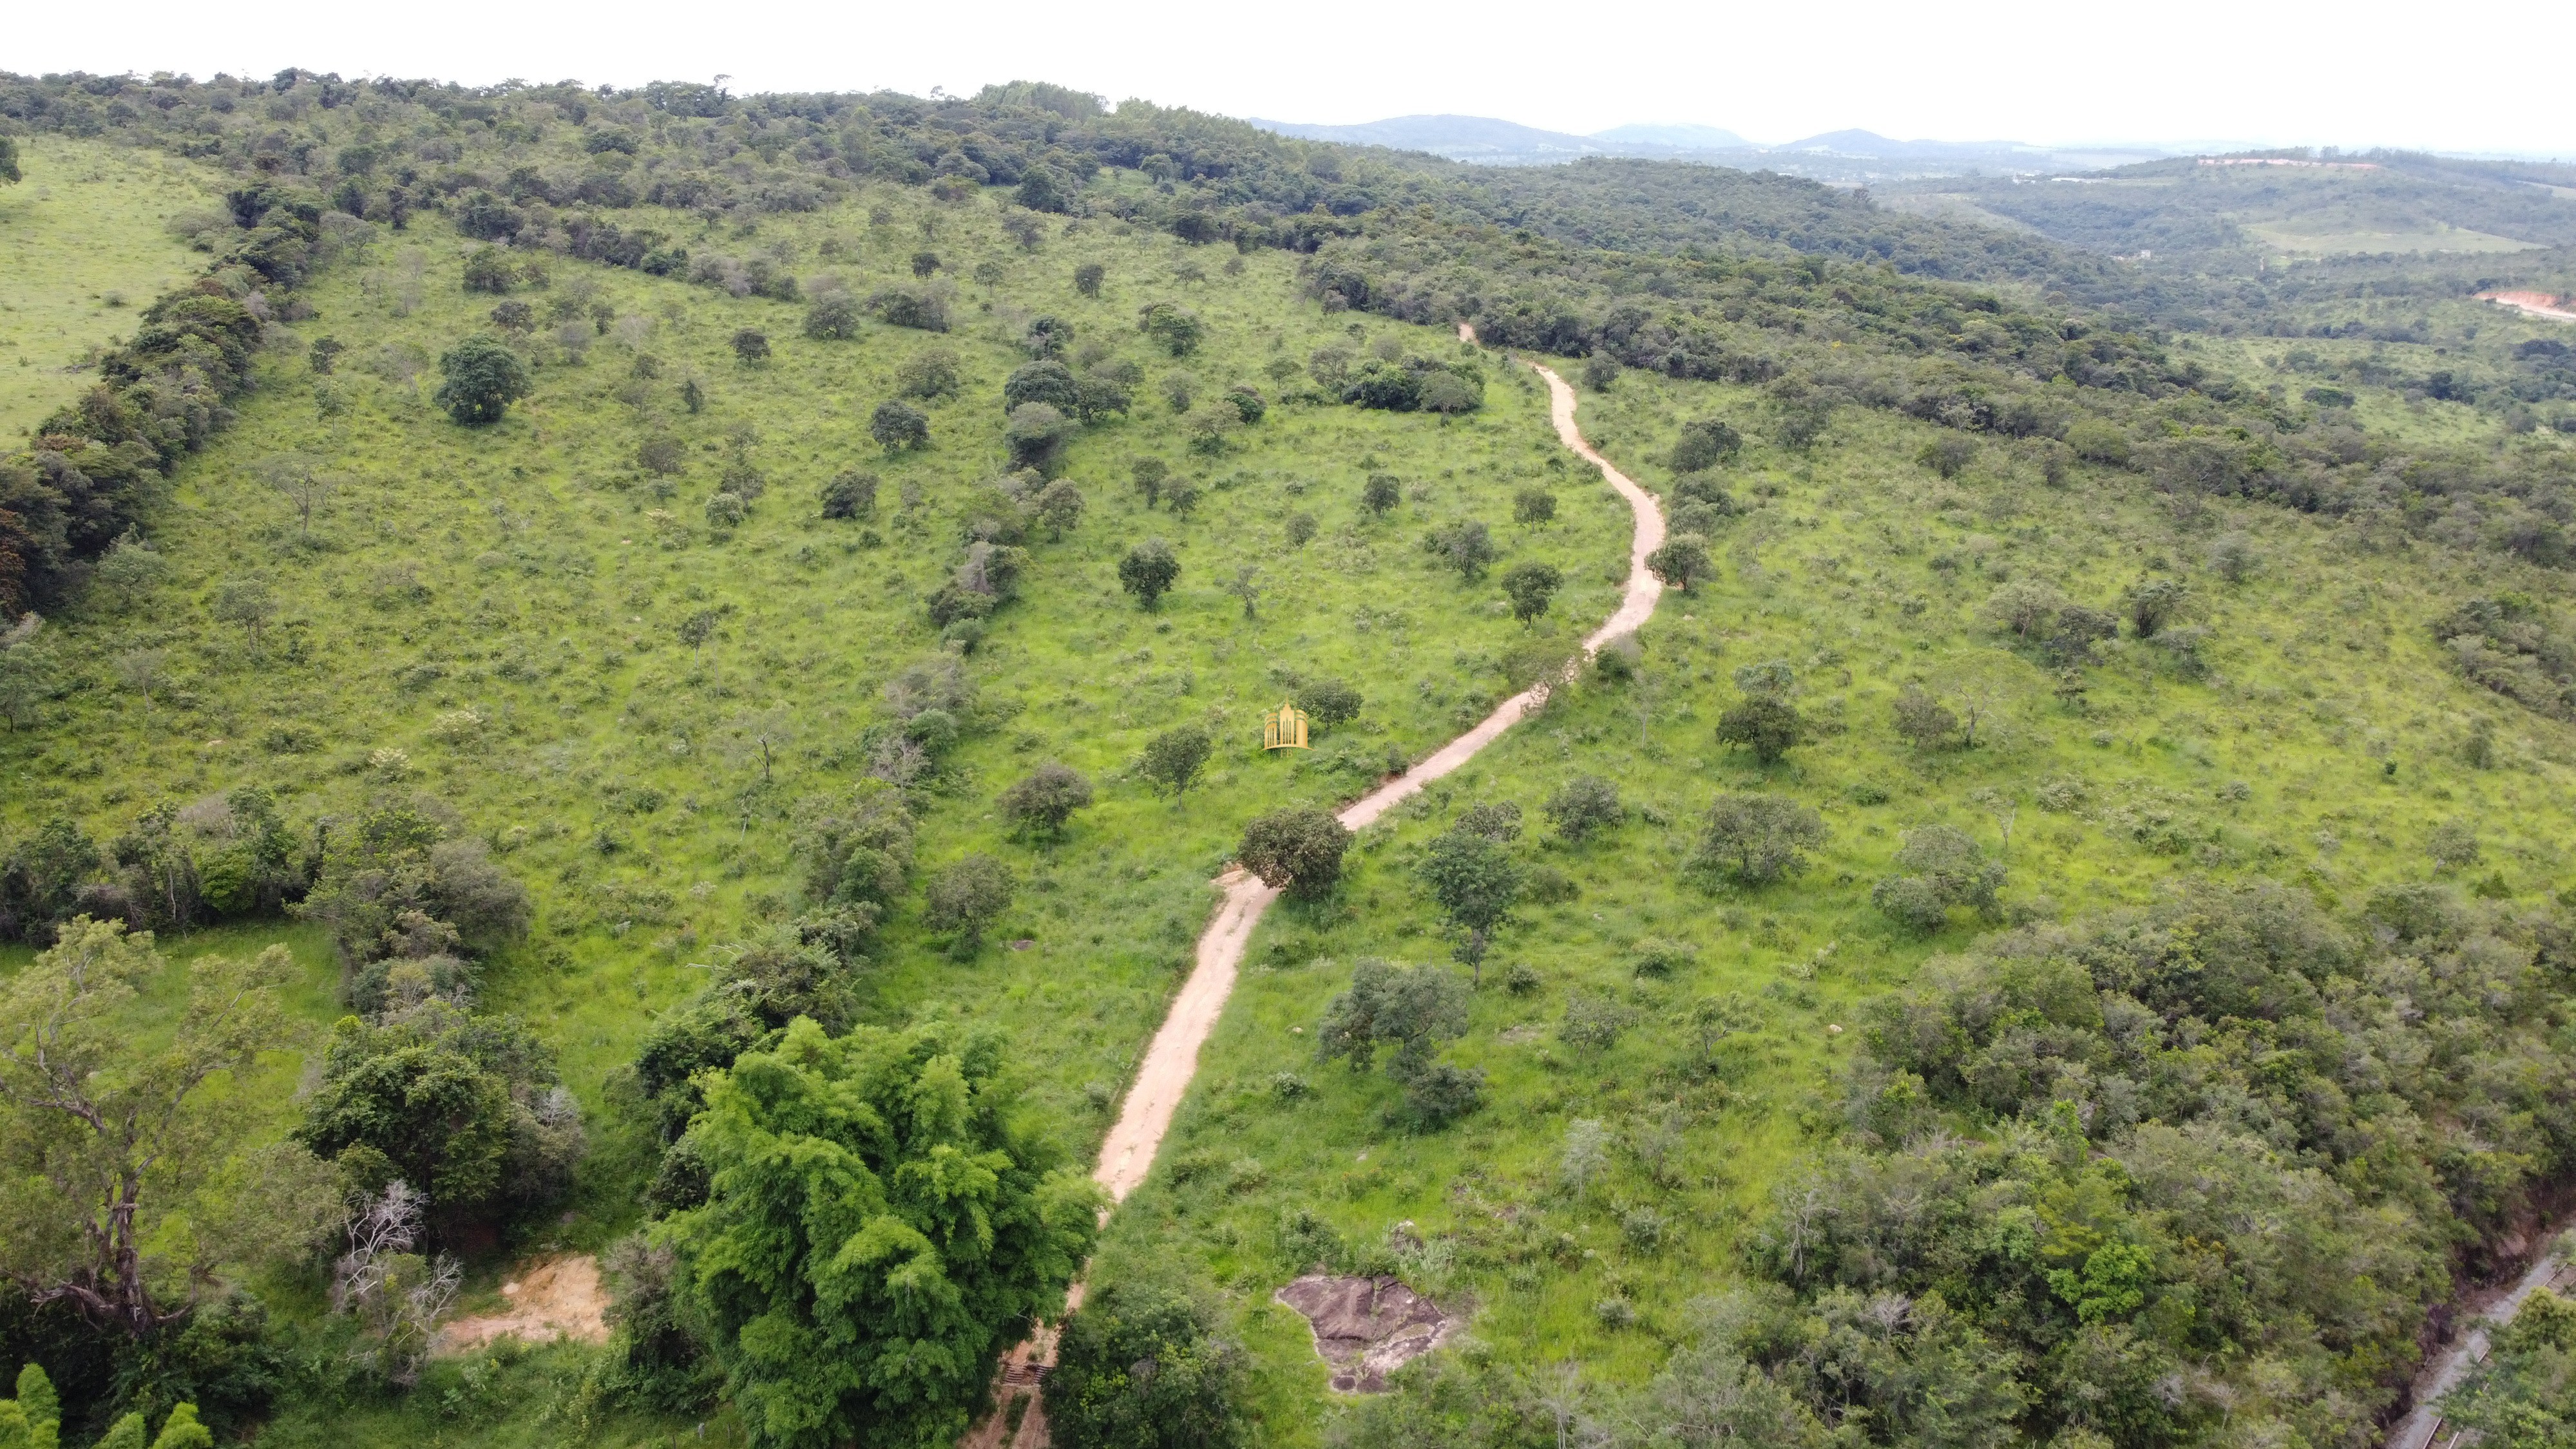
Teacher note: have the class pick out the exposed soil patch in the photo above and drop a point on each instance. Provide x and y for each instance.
(1366, 1327)
(2537, 304)
(554, 1298)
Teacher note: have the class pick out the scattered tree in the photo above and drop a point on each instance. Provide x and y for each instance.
(1949, 454)
(931, 374)
(1088, 277)
(1925, 722)
(1763, 721)
(898, 425)
(1681, 562)
(248, 602)
(1532, 588)
(1174, 758)
(1178, 330)
(925, 263)
(482, 378)
(1381, 493)
(1467, 546)
(1037, 433)
(1706, 443)
(1297, 851)
(833, 317)
(1041, 801)
(1149, 474)
(1533, 506)
(1141, 1368)
(850, 494)
(751, 347)
(1945, 868)
(1148, 571)
(1329, 703)
(1476, 883)
(1754, 839)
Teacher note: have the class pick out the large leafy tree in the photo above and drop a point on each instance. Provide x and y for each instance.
(879, 1223)
(483, 377)
(1137, 1368)
(124, 1183)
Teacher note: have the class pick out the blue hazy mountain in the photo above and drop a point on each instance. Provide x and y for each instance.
(1460, 138)
(1672, 138)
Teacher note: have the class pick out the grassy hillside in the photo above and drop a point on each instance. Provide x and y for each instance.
(2165, 614)
(2319, 736)
(84, 241)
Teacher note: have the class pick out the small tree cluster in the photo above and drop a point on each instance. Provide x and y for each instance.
(1410, 1011)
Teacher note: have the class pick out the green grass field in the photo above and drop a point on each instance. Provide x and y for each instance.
(83, 246)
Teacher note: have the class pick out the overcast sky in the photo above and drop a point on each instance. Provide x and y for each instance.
(2476, 75)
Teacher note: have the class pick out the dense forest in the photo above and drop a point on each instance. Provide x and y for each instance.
(648, 681)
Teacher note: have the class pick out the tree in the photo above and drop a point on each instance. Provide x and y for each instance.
(925, 263)
(1059, 506)
(1476, 883)
(1925, 722)
(1041, 801)
(1148, 571)
(9, 171)
(1948, 455)
(1149, 474)
(127, 1183)
(248, 602)
(1381, 493)
(1532, 506)
(306, 487)
(1681, 562)
(1531, 587)
(1296, 851)
(2025, 608)
(968, 897)
(1045, 382)
(487, 270)
(880, 1221)
(1582, 806)
(483, 377)
(1705, 443)
(1329, 703)
(1600, 371)
(1178, 330)
(1756, 838)
(897, 425)
(1088, 277)
(1411, 1009)
(467, 1109)
(27, 673)
(1765, 723)
(1715, 1018)
(1173, 759)
(1138, 1367)
(1467, 546)
(751, 347)
(833, 317)
(1037, 433)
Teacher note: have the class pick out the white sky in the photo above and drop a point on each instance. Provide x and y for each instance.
(2472, 75)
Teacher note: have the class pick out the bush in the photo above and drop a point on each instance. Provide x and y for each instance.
(930, 374)
(1582, 806)
(1296, 851)
(1088, 277)
(1533, 506)
(1764, 724)
(1037, 433)
(488, 270)
(850, 494)
(919, 308)
(1381, 493)
(1041, 382)
(1329, 703)
(1173, 759)
(1948, 455)
(1178, 330)
(1140, 1368)
(1466, 546)
(2096, 441)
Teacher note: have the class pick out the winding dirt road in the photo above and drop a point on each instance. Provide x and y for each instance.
(1172, 1058)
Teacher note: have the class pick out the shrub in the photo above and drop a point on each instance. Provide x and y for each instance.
(1948, 455)
(1177, 329)
(1925, 722)
(966, 898)
(1765, 724)
(1681, 562)
(1088, 277)
(1173, 759)
(932, 373)
(1533, 506)
(1329, 703)
(1381, 493)
(1037, 433)
(1296, 851)
(1582, 806)
(2096, 441)
(488, 270)
(1466, 546)
(1043, 382)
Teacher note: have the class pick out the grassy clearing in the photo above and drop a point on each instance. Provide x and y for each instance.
(82, 246)
(2323, 746)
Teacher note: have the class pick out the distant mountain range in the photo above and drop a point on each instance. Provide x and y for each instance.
(1850, 155)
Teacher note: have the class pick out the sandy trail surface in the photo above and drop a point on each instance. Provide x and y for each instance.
(1172, 1058)
(2446, 1370)
(551, 1298)
(2537, 304)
